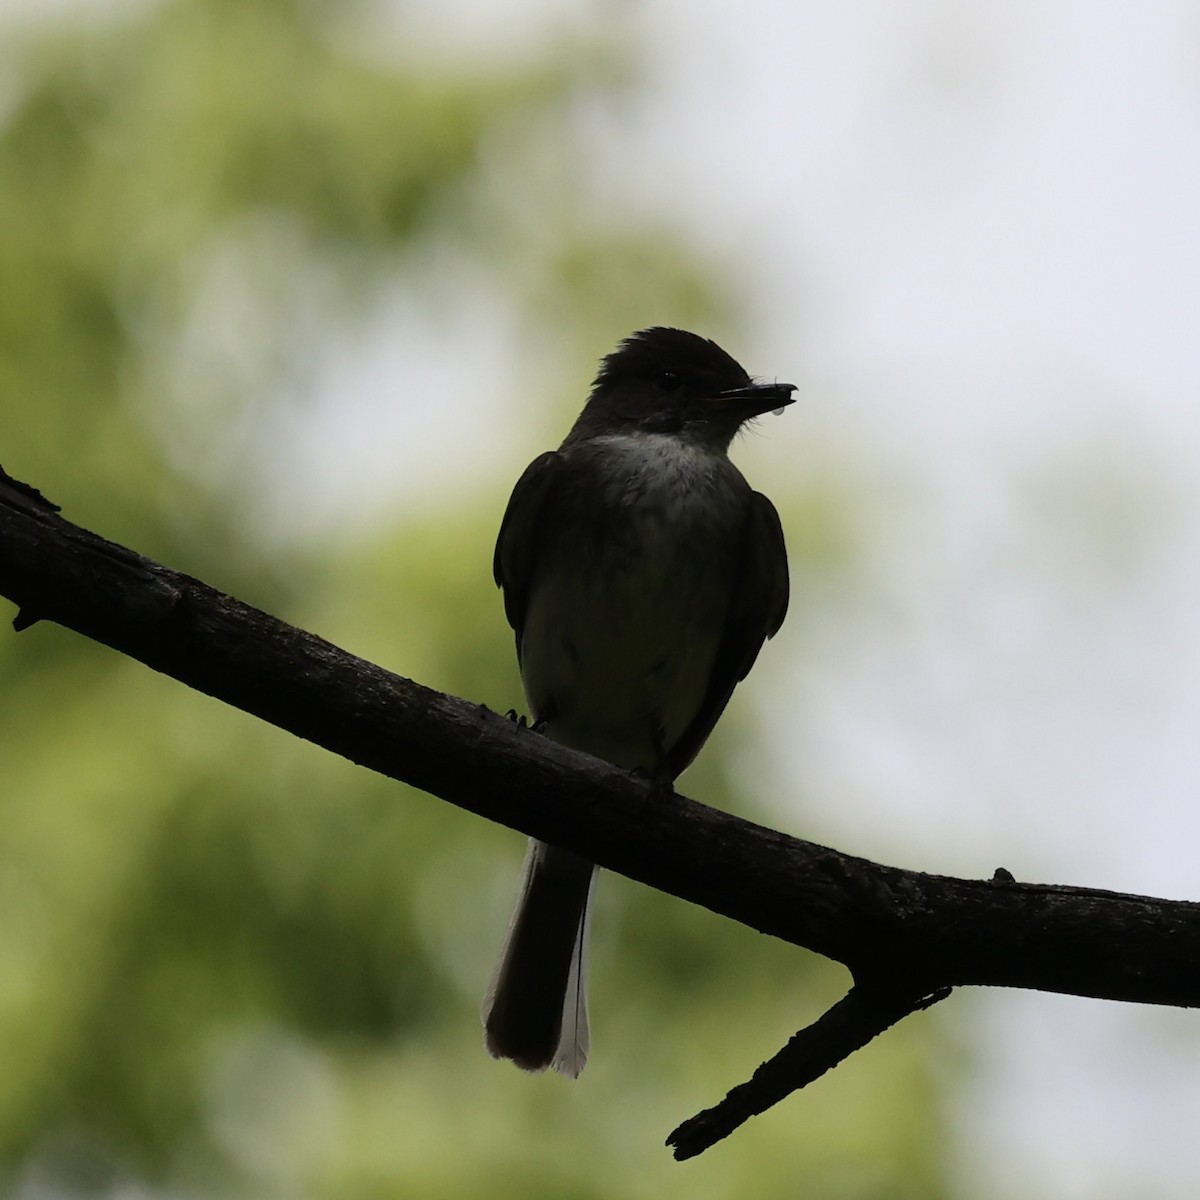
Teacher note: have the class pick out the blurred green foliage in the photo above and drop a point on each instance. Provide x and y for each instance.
(231, 965)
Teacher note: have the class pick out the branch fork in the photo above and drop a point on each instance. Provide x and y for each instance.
(906, 936)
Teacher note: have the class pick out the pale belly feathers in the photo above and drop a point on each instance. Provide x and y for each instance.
(620, 635)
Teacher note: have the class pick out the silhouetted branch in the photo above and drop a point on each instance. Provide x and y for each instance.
(902, 934)
(849, 1025)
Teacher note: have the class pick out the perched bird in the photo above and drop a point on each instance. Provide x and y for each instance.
(641, 574)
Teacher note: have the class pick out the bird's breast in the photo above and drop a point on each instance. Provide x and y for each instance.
(629, 598)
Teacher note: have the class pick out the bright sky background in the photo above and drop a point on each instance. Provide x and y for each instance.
(971, 234)
(980, 230)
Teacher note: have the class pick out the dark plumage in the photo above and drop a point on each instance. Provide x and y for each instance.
(641, 575)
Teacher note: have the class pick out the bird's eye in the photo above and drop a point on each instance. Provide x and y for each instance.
(667, 381)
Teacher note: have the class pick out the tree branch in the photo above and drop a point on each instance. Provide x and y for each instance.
(848, 1026)
(904, 935)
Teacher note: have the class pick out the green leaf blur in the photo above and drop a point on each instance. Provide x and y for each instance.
(230, 964)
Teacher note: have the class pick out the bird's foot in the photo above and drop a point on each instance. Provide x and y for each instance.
(523, 722)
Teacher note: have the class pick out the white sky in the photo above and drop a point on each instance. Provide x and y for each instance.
(988, 220)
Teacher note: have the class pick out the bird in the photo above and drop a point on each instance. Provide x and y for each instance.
(641, 575)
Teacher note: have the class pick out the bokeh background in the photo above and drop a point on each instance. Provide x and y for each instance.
(290, 292)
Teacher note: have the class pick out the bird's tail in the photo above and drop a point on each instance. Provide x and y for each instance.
(535, 1008)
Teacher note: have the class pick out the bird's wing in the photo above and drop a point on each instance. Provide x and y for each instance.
(518, 543)
(756, 611)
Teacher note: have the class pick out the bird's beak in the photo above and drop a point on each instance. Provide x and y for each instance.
(757, 398)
